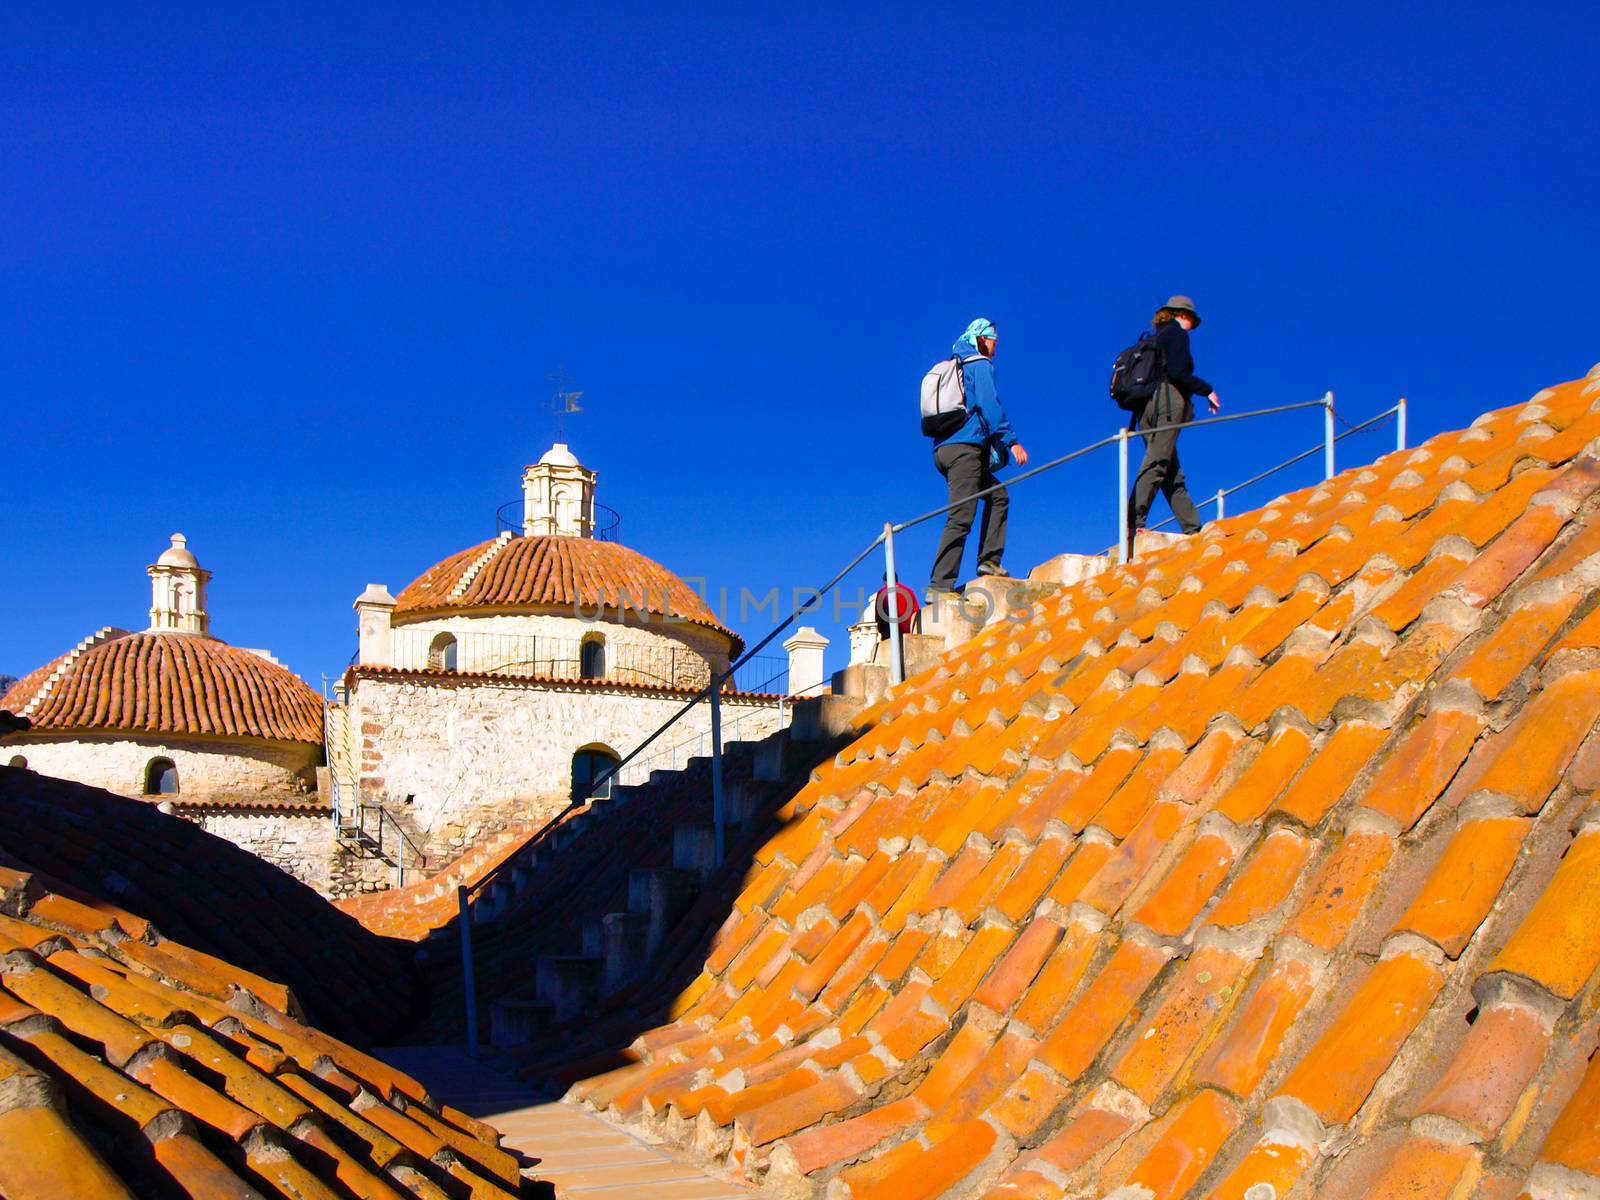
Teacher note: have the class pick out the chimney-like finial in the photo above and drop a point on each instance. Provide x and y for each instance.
(178, 591)
(558, 496)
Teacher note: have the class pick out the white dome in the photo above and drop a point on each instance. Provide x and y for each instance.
(559, 456)
(178, 555)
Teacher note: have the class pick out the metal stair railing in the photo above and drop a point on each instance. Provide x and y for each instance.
(720, 680)
(362, 837)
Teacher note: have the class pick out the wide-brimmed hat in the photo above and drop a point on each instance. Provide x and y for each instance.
(1184, 305)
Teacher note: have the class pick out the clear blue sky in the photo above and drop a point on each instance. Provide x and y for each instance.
(293, 281)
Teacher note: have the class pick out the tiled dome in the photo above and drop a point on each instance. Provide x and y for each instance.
(168, 683)
(515, 573)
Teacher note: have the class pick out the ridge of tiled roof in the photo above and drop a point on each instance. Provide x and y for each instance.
(134, 1065)
(28, 692)
(1266, 866)
(554, 572)
(174, 683)
(210, 895)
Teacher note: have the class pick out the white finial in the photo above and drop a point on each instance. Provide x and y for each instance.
(558, 496)
(178, 590)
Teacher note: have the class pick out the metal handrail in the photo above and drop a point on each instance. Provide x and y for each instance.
(1283, 466)
(360, 826)
(607, 520)
(1100, 445)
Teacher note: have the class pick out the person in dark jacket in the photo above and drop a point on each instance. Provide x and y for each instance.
(1172, 404)
(968, 459)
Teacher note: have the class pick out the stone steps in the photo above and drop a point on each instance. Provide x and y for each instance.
(618, 949)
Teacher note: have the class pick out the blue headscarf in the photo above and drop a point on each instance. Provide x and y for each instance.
(982, 327)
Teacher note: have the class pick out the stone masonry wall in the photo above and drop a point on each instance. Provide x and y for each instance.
(473, 754)
(301, 844)
(117, 763)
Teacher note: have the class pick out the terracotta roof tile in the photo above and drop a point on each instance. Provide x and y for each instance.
(228, 911)
(1200, 870)
(169, 683)
(121, 1079)
(550, 572)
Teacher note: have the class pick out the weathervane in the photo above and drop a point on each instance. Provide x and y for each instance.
(563, 402)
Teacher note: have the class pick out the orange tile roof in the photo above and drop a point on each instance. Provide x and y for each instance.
(132, 1064)
(224, 901)
(168, 683)
(519, 573)
(1269, 863)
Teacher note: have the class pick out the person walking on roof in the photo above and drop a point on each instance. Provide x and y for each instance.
(968, 459)
(1172, 404)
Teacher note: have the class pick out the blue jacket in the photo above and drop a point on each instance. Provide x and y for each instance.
(985, 417)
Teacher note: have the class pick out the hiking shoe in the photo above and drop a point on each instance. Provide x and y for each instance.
(990, 568)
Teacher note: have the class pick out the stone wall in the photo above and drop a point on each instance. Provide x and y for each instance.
(301, 844)
(118, 762)
(460, 758)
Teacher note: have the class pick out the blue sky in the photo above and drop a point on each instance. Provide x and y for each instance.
(294, 282)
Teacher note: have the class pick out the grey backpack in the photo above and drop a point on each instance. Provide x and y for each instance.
(944, 399)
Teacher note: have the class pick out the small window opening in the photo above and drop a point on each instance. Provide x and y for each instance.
(161, 778)
(592, 659)
(591, 773)
(442, 653)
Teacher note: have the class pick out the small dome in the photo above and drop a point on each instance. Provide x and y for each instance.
(168, 683)
(178, 554)
(559, 456)
(552, 572)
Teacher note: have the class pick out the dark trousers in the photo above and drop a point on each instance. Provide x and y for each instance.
(966, 471)
(1160, 469)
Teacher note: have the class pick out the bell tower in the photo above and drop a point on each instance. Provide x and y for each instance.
(178, 591)
(558, 496)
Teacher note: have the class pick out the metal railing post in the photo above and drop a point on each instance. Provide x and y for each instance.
(1400, 425)
(897, 663)
(1122, 495)
(464, 907)
(718, 814)
(1222, 494)
(1327, 436)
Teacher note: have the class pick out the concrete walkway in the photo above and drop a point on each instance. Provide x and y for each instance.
(584, 1158)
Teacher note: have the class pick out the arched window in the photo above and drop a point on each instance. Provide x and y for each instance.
(19, 762)
(592, 658)
(161, 777)
(442, 652)
(591, 769)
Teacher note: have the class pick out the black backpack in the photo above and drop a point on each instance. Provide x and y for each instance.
(1137, 373)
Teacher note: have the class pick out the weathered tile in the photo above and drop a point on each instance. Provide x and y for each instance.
(1558, 942)
(1336, 1075)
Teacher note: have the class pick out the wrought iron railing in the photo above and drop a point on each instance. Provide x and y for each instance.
(509, 518)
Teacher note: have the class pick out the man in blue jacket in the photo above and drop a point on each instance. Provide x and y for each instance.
(968, 459)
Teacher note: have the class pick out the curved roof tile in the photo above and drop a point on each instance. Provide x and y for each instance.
(1267, 864)
(168, 683)
(554, 572)
(136, 1065)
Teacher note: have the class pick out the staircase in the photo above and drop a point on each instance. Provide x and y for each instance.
(587, 925)
(415, 911)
